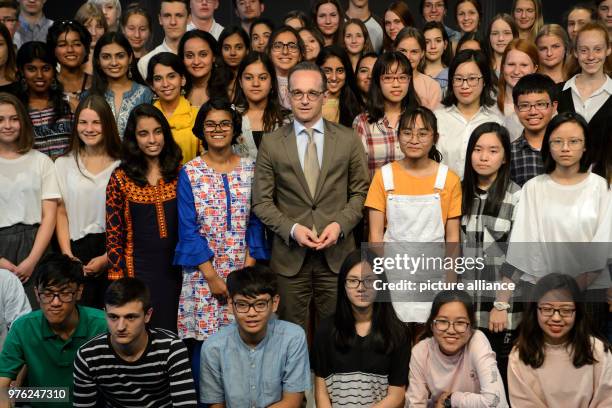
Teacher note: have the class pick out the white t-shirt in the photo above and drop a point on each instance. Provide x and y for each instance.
(375, 31)
(24, 183)
(455, 131)
(13, 302)
(84, 195)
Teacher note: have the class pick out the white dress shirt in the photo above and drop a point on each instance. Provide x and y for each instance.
(143, 63)
(302, 140)
(588, 107)
(215, 30)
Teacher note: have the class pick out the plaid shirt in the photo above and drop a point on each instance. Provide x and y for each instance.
(525, 161)
(486, 236)
(380, 141)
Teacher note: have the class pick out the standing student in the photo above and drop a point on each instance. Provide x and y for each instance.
(489, 207)
(396, 17)
(199, 50)
(577, 16)
(260, 33)
(363, 74)
(297, 19)
(112, 12)
(528, 17)
(83, 174)
(33, 24)
(141, 212)
(589, 93)
(411, 43)
(9, 16)
(360, 9)
(438, 53)
(466, 106)
(356, 40)
(217, 234)
(257, 100)
(360, 355)
(454, 366)
(469, 15)
(520, 59)
(435, 10)
(234, 45)
(8, 63)
(535, 103)
(502, 30)
(137, 27)
(388, 97)
(132, 364)
(343, 101)
(203, 17)
(167, 76)
(558, 361)
(247, 11)
(70, 41)
(285, 49)
(27, 224)
(328, 16)
(604, 9)
(13, 301)
(90, 16)
(553, 48)
(313, 43)
(43, 98)
(113, 78)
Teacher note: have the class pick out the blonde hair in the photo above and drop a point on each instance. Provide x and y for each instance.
(89, 11)
(558, 31)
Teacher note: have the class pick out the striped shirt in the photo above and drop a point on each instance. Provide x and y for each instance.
(380, 141)
(51, 135)
(161, 377)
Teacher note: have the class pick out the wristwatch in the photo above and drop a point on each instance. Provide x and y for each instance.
(501, 306)
(447, 401)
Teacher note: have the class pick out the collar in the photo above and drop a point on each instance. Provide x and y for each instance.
(42, 22)
(80, 331)
(298, 127)
(571, 84)
(263, 342)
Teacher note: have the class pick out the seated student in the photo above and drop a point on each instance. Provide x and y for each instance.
(454, 366)
(360, 356)
(13, 302)
(47, 340)
(132, 364)
(557, 361)
(258, 360)
(535, 103)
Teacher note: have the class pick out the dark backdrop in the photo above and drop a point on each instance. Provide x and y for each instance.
(276, 9)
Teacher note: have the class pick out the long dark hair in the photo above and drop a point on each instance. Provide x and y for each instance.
(64, 27)
(10, 67)
(447, 55)
(214, 47)
(133, 160)
(589, 154)
(480, 60)
(506, 18)
(408, 119)
(166, 59)
(530, 343)
(387, 331)
(99, 83)
(412, 32)
(34, 50)
(497, 190)
(444, 297)
(376, 100)
(229, 31)
(400, 9)
(341, 18)
(351, 103)
(273, 115)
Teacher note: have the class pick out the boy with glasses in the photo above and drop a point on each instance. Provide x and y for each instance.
(435, 10)
(9, 16)
(46, 340)
(258, 360)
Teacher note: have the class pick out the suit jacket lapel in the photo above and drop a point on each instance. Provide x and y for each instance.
(290, 142)
(329, 147)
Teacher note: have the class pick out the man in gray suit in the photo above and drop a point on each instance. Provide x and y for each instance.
(311, 180)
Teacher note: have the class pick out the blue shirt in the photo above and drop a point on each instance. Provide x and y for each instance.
(241, 376)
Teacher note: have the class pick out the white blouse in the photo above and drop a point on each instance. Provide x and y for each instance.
(84, 195)
(24, 183)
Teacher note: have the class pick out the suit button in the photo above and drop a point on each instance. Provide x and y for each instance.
(314, 207)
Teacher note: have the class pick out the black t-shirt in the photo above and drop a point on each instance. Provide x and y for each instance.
(360, 376)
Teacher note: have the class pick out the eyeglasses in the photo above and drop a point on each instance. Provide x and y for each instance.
(244, 307)
(64, 297)
(434, 5)
(421, 135)
(8, 20)
(443, 325)
(471, 81)
(353, 283)
(279, 46)
(574, 144)
(210, 126)
(389, 79)
(550, 311)
(311, 95)
(526, 106)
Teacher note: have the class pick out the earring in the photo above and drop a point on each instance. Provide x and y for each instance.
(54, 85)
(129, 74)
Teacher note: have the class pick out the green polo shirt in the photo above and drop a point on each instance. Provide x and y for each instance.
(50, 359)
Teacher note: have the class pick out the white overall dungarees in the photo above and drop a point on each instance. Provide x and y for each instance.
(413, 219)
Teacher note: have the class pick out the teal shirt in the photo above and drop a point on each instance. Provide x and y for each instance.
(50, 359)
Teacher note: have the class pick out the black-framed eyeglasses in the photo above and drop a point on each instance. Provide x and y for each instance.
(353, 283)
(210, 126)
(550, 311)
(311, 95)
(526, 106)
(244, 307)
(279, 46)
(460, 326)
(472, 81)
(8, 20)
(64, 297)
(389, 79)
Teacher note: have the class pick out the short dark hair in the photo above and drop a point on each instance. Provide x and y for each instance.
(558, 120)
(185, 2)
(14, 4)
(64, 27)
(535, 83)
(57, 270)
(479, 58)
(258, 21)
(252, 281)
(217, 103)
(167, 59)
(307, 66)
(235, 3)
(127, 290)
(422, 6)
